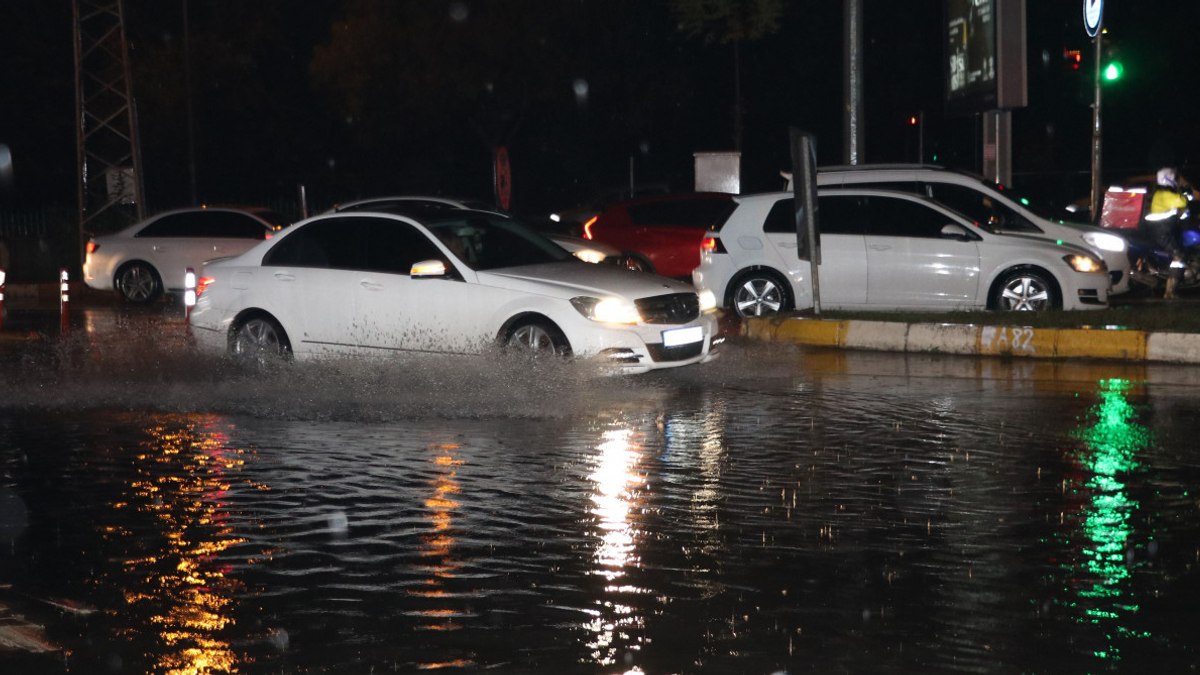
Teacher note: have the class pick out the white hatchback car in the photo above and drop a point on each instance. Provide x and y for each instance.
(142, 261)
(457, 282)
(995, 206)
(883, 250)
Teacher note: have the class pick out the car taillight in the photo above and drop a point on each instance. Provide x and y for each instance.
(203, 283)
(92, 247)
(711, 244)
(587, 227)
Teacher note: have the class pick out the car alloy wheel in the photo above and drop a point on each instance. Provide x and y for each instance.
(1026, 290)
(757, 295)
(259, 343)
(138, 283)
(636, 263)
(538, 338)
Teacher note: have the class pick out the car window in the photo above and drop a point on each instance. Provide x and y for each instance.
(991, 214)
(486, 242)
(214, 224)
(706, 213)
(895, 217)
(835, 215)
(393, 246)
(334, 243)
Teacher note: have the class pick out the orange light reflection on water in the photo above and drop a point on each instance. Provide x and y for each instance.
(188, 596)
(437, 548)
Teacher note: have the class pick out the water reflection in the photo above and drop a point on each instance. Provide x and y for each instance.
(616, 624)
(1101, 577)
(437, 549)
(179, 581)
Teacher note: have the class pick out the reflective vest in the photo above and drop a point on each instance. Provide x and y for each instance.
(1165, 204)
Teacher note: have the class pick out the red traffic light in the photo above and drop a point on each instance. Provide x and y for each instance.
(1073, 57)
(912, 120)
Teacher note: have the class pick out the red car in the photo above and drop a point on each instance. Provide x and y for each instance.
(661, 234)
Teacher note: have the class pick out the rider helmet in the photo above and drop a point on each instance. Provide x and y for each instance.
(1167, 176)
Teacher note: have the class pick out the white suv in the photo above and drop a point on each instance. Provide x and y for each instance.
(994, 206)
(887, 250)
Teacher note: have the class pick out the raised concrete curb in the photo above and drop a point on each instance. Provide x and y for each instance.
(1016, 341)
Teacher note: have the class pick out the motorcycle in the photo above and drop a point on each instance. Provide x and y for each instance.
(1151, 266)
(1125, 209)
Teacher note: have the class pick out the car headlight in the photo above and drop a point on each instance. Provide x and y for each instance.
(1084, 263)
(607, 310)
(590, 255)
(1106, 242)
(708, 301)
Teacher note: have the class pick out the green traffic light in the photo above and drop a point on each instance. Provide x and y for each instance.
(1113, 71)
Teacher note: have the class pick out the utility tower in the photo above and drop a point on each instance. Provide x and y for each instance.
(109, 159)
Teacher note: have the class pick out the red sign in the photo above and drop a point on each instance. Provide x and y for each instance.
(503, 178)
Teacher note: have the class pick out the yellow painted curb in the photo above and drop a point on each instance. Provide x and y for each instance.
(813, 332)
(9, 336)
(1020, 341)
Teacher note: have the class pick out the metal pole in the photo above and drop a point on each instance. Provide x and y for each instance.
(921, 137)
(187, 88)
(1096, 135)
(852, 37)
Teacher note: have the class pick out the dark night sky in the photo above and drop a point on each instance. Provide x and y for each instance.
(653, 95)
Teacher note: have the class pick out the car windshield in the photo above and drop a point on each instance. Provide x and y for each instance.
(486, 241)
(1034, 206)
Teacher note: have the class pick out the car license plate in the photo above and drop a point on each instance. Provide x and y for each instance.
(682, 336)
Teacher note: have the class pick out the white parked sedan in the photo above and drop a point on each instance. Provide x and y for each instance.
(143, 260)
(883, 250)
(455, 282)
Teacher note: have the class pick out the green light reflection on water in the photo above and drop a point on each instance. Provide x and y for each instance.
(1112, 441)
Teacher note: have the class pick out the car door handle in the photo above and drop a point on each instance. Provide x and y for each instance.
(371, 285)
(284, 276)
(880, 247)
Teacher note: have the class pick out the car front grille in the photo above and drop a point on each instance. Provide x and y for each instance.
(660, 353)
(672, 308)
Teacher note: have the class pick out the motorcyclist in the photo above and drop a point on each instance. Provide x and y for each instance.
(1168, 206)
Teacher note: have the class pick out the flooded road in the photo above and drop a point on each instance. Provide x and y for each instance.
(779, 511)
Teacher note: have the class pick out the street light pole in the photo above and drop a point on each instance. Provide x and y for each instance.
(1096, 135)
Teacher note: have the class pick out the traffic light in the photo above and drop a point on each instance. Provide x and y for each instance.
(1113, 71)
(913, 120)
(1073, 57)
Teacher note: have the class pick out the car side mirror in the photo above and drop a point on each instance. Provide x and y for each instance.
(955, 231)
(428, 269)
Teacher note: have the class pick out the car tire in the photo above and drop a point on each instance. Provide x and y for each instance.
(758, 293)
(138, 283)
(636, 263)
(1026, 289)
(259, 342)
(538, 337)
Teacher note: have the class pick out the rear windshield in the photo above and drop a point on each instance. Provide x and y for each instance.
(702, 213)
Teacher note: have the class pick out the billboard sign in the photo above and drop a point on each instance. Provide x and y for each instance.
(985, 55)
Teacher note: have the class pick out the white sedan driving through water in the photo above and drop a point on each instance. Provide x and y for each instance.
(460, 282)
